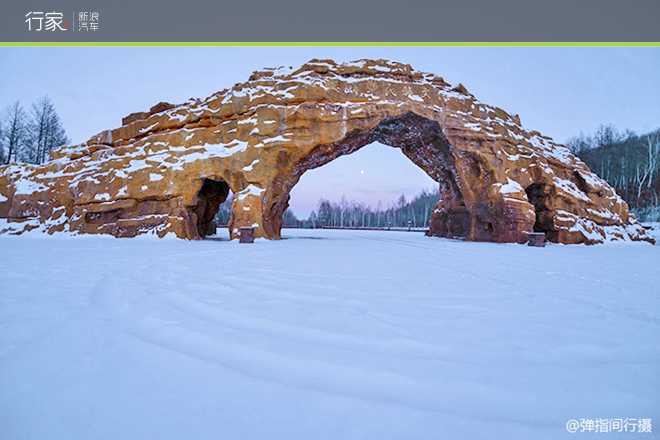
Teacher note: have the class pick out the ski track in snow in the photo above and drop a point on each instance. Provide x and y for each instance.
(324, 334)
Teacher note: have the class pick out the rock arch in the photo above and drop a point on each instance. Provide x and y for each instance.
(165, 170)
(420, 139)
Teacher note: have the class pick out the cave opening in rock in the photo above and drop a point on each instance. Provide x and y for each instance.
(538, 195)
(209, 198)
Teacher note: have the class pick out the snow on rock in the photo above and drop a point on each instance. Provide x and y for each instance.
(570, 190)
(511, 187)
(653, 230)
(289, 120)
(250, 190)
(103, 197)
(251, 166)
(27, 187)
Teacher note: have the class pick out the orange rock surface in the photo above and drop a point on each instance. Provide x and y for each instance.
(168, 169)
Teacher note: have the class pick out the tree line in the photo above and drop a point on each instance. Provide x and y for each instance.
(627, 161)
(28, 136)
(414, 213)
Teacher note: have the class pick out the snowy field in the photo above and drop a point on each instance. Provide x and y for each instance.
(324, 335)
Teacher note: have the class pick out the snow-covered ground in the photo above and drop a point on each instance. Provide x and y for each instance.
(324, 335)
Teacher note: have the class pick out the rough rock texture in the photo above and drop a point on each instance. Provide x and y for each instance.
(167, 170)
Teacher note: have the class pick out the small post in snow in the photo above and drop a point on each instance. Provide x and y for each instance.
(247, 234)
(536, 239)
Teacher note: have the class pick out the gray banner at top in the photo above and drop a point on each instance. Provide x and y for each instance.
(330, 21)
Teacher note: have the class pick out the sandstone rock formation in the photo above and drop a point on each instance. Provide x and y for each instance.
(167, 170)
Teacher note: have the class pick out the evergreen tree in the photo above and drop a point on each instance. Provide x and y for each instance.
(289, 219)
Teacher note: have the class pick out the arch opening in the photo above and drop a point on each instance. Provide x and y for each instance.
(419, 139)
(538, 195)
(376, 186)
(208, 200)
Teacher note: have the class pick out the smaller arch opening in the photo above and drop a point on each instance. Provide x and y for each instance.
(538, 195)
(209, 198)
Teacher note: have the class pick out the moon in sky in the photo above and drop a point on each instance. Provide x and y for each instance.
(361, 171)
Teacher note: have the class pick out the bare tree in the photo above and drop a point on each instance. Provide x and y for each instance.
(649, 163)
(629, 162)
(641, 173)
(14, 131)
(652, 143)
(45, 131)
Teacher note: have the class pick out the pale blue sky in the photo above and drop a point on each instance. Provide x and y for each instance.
(559, 91)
